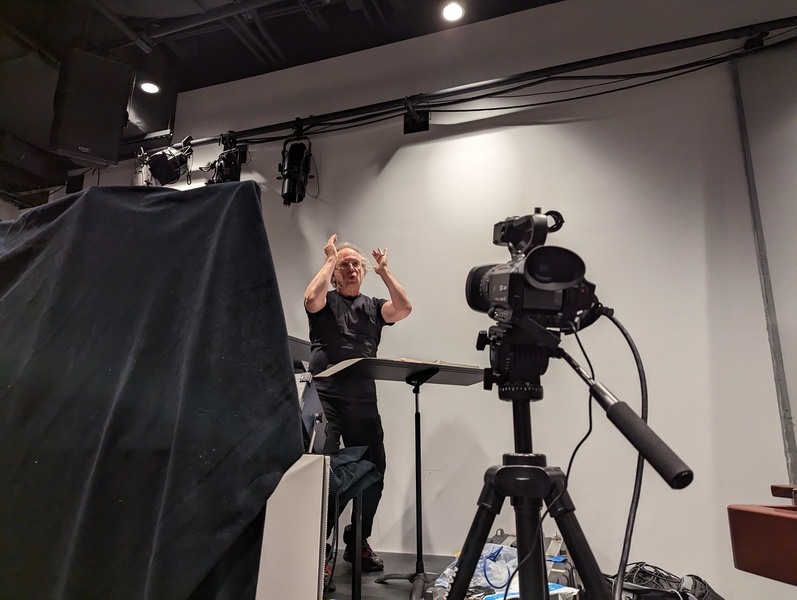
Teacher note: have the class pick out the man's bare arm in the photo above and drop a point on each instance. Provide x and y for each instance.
(399, 306)
(315, 296)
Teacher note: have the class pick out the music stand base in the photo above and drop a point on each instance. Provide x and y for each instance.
(420, 581)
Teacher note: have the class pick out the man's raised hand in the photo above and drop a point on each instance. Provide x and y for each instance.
(330, 249)
(381, 260)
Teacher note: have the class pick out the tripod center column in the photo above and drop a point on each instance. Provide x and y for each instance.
(521, 420)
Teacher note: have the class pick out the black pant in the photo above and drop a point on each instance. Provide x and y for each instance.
(359, 425)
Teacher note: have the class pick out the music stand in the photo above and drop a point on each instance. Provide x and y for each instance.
(414, 373)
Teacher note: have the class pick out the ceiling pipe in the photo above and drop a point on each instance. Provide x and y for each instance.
(215, 24)
(214, 14)
(20, 38)
(313, 14)
(379, 11)
(242, 37)
(245, 41)
(266, 36)
(244, 27)
(692, 42)
(273, 51)
(139, 39)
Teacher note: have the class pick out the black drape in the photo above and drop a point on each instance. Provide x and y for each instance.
(147, 400)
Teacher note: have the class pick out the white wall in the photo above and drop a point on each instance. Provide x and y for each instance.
(651, 185)
(8, 211)
(770, 100)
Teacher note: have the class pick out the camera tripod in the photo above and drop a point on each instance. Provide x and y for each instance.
(526, 479)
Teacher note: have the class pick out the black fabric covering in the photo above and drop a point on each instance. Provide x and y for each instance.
(147, 400)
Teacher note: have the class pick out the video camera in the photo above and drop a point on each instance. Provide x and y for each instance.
(534, 297)
(544, 282)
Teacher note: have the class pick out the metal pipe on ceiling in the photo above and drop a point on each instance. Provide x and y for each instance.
(216, 24)
(692, 42)
(139, 39)
(214, 14)
(241, 35)
(312, 14)
(265, 34)
(244, 27)
(246, 42)
(379, 11)
(21, 39)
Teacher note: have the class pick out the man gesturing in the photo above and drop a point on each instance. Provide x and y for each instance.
(346, 324)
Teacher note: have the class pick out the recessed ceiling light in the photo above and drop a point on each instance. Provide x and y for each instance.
(149, 87)
(453, 12)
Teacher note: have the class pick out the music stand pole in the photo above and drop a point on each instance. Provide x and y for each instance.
(419, 579)
(414, 373)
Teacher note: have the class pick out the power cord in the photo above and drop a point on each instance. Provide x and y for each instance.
(317, 180)
(617, 587)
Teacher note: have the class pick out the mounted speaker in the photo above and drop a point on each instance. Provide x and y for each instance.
(90, 108)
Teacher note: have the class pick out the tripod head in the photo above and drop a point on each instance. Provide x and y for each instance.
(518, 361)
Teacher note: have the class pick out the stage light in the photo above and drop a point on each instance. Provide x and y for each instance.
(149, 87)
(295, 169)
(227, 167)
(453, 12)
(168, 165)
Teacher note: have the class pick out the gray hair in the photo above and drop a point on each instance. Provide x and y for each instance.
(366, 266)
(363, 258)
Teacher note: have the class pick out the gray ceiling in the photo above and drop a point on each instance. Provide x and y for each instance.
(207, 42)
(185, 44)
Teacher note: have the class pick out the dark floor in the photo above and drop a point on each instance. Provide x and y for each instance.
(394, 563)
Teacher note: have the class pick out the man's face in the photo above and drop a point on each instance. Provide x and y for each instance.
(348, 273)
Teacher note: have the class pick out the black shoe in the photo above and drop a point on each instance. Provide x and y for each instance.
(370, 561)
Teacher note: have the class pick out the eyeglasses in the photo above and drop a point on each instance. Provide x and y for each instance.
(344, 266)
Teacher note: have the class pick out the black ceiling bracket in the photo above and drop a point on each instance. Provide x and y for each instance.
(414, 120)
(756, 41)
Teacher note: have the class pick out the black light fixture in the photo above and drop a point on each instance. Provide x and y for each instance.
(169, 164)
(295, 168)
(227, 167)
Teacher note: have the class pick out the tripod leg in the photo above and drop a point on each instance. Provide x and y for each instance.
(563, 511)
(490, 502)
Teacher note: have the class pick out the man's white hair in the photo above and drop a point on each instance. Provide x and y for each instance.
(366, 266)
(363, 258)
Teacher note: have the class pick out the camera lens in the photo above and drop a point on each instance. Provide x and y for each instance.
(477, 291)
